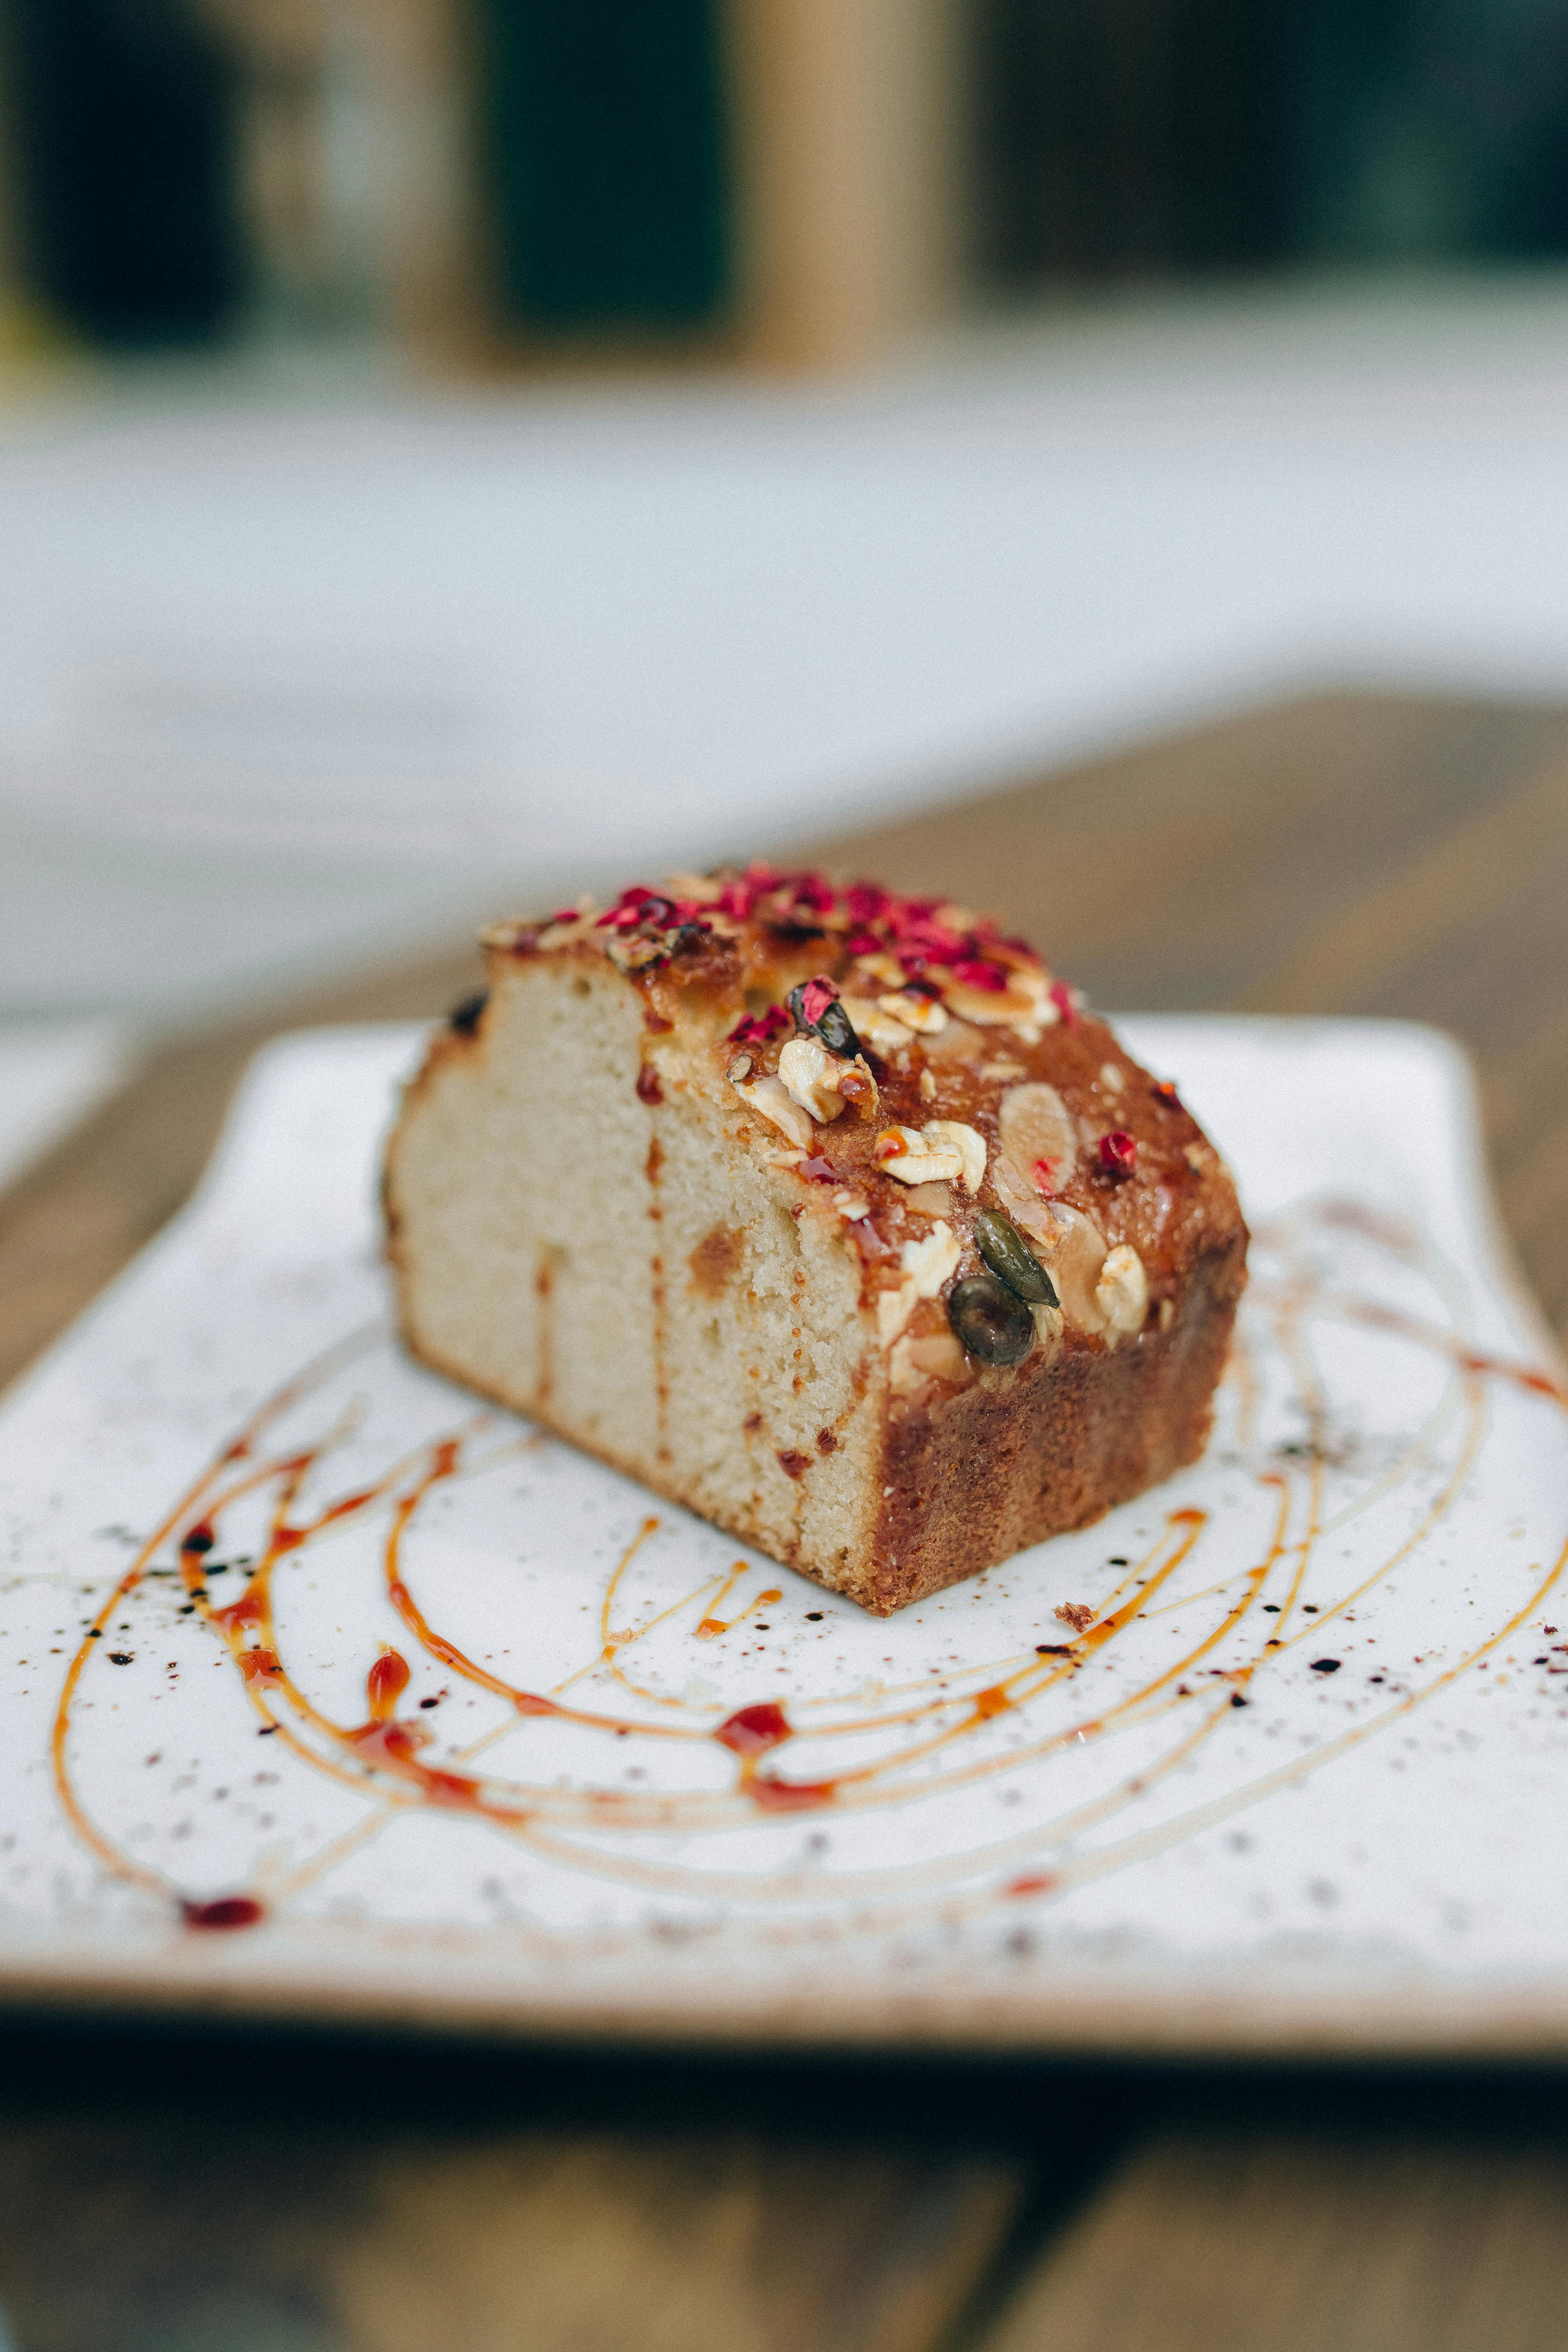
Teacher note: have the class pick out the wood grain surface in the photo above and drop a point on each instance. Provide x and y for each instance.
(1370, 854)
(125, 2236)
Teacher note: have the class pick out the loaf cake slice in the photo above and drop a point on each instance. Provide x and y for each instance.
(826, 1213)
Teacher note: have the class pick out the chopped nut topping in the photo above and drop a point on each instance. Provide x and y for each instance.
(874, 1027)
(931, 1260)
(943, 1006)
(811, 1074)
(927, 1265)
(886, 970)
(631, 951)
(772, 1100)
(944, 1150)
(1022, 1200)
(1121, 1292)
(894, 1308)
(560, 929)
(917, 1360)
(821, 1082)
(1050, 1322)
(953, 1135)
(957, 1043)
(1073, 1250)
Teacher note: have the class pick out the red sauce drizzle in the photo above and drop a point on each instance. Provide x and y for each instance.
(225, 1911)
(771, 1795)
(752, 1730)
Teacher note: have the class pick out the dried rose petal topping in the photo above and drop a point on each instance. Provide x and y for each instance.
(865, 902)
(1066, 1002)
(627, 909)
(977, 975)
(640, 905)
(919, 936)
(1118, 1151)
(757, 1028)
(816, 997)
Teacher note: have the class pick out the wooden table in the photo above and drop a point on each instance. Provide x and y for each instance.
(1346, 855)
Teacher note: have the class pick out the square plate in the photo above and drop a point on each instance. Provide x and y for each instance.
(499, 1738)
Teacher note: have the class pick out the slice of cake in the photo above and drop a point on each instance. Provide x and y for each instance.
(829, 1213)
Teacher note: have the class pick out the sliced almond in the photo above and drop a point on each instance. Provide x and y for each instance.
(885, 971)
(1036, 1125)
(874, 1027)
(701, 888)
(926, 1015)
(1121, 1293)
(1073, 1250)
(959, 1042)
(927, 1265)
(1023, 1204)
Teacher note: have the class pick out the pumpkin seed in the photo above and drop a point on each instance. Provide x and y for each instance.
(989, 1321)
(1007, 1253)
(832, 1027)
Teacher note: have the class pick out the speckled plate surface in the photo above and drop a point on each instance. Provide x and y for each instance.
(324, 1688)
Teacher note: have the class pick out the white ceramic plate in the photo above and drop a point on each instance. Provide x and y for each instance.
(1301, 1779)
(52, 1074)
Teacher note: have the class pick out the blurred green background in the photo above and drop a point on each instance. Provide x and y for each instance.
(789, 181)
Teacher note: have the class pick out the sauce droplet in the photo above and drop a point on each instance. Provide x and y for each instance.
(385, 1684)
(225, 1911)
(752, 1730)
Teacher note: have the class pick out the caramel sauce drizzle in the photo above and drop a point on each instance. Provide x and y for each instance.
(384, 1754)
